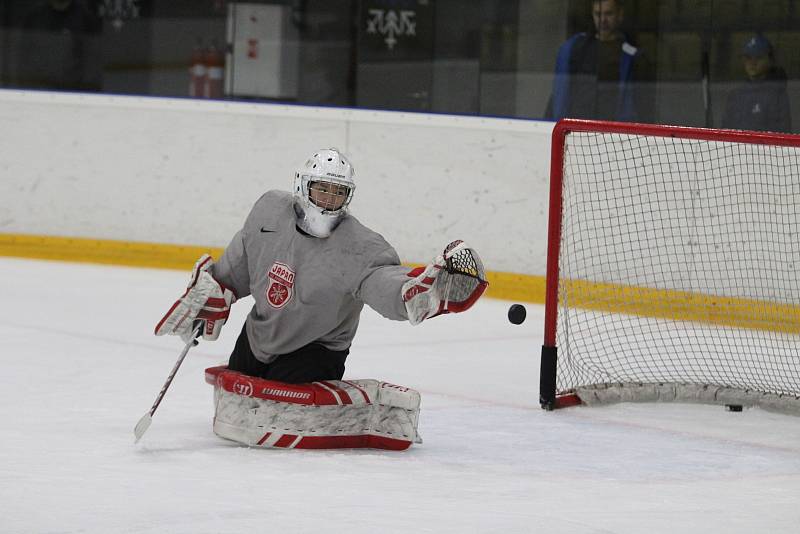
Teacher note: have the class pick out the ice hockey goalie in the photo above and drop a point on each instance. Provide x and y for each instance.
(330, 414)
(311, 267)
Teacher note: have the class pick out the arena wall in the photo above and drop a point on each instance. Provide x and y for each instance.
(154, 181)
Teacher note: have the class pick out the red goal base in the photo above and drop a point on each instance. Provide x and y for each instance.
(567, 400)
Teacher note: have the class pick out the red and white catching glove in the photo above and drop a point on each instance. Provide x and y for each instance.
(205, 300)
(451, 283)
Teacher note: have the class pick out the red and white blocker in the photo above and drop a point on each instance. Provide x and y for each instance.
(332, 414)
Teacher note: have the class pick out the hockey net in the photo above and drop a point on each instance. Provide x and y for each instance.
(672, 267)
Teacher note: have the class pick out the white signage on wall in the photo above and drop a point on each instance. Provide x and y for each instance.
(118, 11)
(391, 24)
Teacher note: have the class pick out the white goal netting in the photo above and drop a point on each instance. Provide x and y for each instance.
(679, 265)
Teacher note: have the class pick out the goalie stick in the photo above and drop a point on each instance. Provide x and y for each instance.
(144, 423)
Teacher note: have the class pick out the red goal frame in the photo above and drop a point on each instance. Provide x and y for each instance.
(548, 397)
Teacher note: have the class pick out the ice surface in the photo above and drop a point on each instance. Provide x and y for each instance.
(82, 366)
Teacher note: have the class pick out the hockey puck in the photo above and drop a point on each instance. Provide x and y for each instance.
(516, 313)
(733, 407)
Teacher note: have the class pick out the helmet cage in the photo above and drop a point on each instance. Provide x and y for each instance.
(303, 188)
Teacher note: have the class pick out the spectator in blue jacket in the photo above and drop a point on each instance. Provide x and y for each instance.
(760, 103)
(596, 73)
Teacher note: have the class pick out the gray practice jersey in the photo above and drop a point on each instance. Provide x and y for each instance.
(308, 289)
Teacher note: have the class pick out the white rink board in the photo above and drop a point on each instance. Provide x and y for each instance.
(187, 172)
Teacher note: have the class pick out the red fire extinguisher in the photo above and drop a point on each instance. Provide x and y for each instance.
(197, 72)
(215, 72)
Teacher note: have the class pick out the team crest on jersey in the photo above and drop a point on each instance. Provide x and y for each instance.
(281, 285)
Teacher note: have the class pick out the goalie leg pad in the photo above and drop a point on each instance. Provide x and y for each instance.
(321, 415)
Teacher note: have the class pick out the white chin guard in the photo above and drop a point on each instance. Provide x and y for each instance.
(314, 220)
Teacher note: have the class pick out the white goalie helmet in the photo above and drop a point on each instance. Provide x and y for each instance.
(323, 189)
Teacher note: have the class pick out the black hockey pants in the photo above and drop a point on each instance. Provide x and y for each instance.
(307, 364)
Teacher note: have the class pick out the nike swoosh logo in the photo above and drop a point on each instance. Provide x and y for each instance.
(266, 229)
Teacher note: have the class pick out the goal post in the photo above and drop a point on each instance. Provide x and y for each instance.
(672, 264)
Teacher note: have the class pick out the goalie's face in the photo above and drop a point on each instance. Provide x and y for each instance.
(328, 195)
